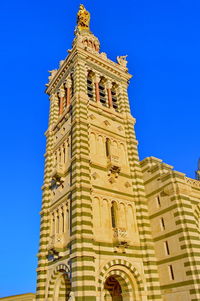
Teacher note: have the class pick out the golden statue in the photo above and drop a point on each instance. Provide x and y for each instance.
(83, 19)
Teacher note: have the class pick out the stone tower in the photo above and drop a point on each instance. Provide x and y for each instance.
(95, 238)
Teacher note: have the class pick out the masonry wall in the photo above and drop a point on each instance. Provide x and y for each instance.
(173, 202)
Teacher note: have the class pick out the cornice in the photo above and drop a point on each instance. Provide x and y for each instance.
(91, 59)
(61, 71)
(105, 63)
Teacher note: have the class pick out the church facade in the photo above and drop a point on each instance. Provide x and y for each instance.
(113, 228)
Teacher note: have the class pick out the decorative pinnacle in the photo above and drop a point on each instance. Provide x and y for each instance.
(83, 19)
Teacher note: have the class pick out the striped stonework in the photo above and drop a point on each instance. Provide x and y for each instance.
(62, 273)
(174, 213)
(117, 267)
(112, 228)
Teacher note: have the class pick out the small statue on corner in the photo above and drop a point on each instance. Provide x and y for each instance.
(122, 60)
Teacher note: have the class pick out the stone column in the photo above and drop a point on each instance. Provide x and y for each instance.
(80, 81)
(68, 85)
(54, 109)
(123, 98)
(96, 82)
(61, 95)
(109, 87)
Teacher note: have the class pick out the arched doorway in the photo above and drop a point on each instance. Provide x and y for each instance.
(112, 289)
(61, 289)
(59, 286)
(120, 282)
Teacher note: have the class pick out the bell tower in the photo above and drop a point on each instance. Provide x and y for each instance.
(95, 238)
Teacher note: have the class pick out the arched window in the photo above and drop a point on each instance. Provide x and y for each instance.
(67, 97)
(64, 153)
(53, 225)
(102, 92)
(63, 221)
(57, 222)
(107, 147)
(59, 104)
(72, 87)
(114, 215)
(114, 97)
(90, 86)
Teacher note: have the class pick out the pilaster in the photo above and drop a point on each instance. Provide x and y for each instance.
(45, 217)
(147, 245)
(82, 254)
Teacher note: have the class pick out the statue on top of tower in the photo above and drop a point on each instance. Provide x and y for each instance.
(83, 19)
(83, 36)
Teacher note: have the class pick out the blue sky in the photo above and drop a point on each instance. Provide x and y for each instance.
(161, 39)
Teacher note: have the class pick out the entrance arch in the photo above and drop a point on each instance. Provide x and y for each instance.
(59, 284)
(125, 277)
(113, 289)
(117, 287)
(61, 291)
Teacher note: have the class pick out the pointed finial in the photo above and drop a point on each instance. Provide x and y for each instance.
(83, 19)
